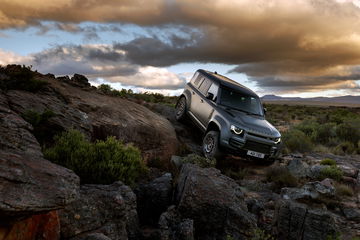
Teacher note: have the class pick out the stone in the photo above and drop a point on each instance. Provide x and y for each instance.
(315, 171)
(311, 190)
(215, 203)
(295, 221)
(173, 227)
(153, 198)
(349, 170)
(352, 214)
(80, 80)
(106, 209)
(29, 184)
(40, 227)
(298, 168)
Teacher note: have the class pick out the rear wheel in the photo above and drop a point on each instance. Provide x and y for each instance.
(180, 110)
(211, 145)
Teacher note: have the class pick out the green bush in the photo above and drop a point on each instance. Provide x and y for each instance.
(281, 177)
(328, 161)
(21, 78)
(344, 148)
(259, 234)
(101, 162)
(296, 140)
(105, 88)
(200, 161)
(349, 131)
(332, 172)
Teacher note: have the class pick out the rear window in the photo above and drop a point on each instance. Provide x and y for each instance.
(205, 85)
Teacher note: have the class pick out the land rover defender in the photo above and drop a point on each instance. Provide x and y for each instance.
(230, 115)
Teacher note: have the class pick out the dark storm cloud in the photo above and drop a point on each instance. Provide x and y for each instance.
(301, 42)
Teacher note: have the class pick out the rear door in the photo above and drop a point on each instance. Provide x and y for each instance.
(206, 106)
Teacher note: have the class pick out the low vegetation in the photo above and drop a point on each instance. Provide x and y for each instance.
(281, 177)
(328, 161)
(199, 160)
(101, 162)
(309, 128)
(343, 190)
(20, 78)
(332, 172)
(146, 96)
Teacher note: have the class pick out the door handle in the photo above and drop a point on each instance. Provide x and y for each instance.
(193, 92)
(201, 100)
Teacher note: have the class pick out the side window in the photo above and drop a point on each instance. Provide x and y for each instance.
(204, 87)
(193, 79)
(214, 88)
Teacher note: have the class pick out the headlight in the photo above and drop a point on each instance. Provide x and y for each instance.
(236, 130)
(277, 140)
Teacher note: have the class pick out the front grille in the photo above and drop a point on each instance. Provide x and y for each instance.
(257, 147)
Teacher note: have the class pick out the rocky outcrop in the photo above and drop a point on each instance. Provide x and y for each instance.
(76, 105)
(153, 198)
(106, 209)
(311, 190)
(29, 183)
(296, 221)
(173, 227)
(215, 203)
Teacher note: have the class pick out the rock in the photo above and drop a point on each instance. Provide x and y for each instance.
(98, 116)
(154, 198)
(358, 179)
(173, 227)
(315, 171)
(29, 183)
(95, 236)
(40, 227)
(295, 221)
(348, 170)
(298, 168)
(80, 80)
(106, 209)
(215, 203)
(311, 190)
(352, 214)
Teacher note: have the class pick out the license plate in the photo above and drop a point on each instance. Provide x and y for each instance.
(255, 154)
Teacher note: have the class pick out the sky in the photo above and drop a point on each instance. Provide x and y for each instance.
(300, 48)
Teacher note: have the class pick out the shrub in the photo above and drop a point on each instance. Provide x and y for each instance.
(259, 234)
(349, 131)
(296, 140)
(281, 176)
(21, 78)
(101, 162)
(332, 172)
(105, 88)
(328, 161)
(344, 148)
(344, 190)
(200, 161)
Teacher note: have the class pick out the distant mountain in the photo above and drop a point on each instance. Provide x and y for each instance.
(342, 99)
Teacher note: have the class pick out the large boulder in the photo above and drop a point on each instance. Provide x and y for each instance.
(99, 116)
(295, 221)
(298, 168)
(173, 227)
(215, 203)
(311, 190)
(29, 183)
(153, 198)
(106, 209)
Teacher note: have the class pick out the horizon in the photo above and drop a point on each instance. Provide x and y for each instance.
(282, 48)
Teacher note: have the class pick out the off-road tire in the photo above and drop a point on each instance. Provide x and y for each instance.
(211, 147)
(180, 109)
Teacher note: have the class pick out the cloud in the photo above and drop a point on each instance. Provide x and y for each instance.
(298, 44)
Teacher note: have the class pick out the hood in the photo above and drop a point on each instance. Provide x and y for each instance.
(253, 123)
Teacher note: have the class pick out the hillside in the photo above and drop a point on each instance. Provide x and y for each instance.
(80, 162)
(351, 101)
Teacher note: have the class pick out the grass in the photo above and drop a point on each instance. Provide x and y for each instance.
(328, 161)
(199, 160)
(101, 162)
(332, 172)
(281, 177)
(343, 190)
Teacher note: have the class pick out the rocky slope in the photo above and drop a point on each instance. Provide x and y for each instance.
(41, 200)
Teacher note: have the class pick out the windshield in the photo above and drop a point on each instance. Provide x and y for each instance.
(240, 101)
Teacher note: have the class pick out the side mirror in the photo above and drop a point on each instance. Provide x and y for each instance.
(265, 110)
(210, 96)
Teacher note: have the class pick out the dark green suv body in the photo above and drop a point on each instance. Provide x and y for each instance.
(231, 116)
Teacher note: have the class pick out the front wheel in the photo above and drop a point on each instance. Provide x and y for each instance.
(180, 110)
(211, 145)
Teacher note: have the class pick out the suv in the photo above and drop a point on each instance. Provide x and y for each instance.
(230, 115)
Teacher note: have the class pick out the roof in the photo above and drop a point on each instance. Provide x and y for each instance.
(227, 82)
